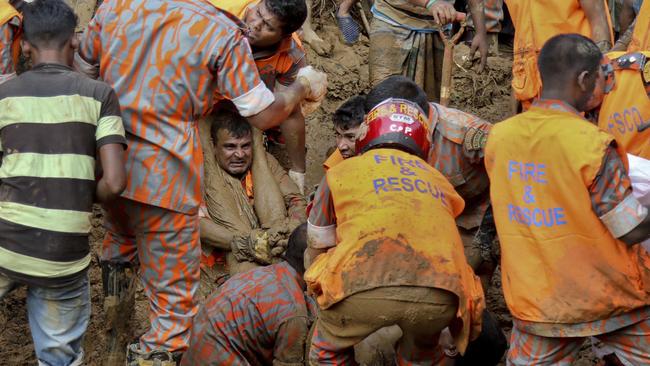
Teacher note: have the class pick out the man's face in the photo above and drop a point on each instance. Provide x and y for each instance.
(345, 140)
(598, 93)
(264, 28)
(234, 155)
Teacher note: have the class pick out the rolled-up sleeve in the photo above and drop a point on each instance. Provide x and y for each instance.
(612, 199)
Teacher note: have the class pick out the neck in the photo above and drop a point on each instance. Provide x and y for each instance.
(563, 95)
(266, 48)
(50, 57)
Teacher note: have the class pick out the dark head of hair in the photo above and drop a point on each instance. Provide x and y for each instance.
(292, 13)
(564, 57)
(230, 120)
(48, 24)
(350, 114)
(295, 253)
(397, 86)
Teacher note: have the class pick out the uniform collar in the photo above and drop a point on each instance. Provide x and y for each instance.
(556, 105)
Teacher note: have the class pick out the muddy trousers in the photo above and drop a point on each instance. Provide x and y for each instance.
(421, 313)
(631, 345)
(58, 319)
(165, 245)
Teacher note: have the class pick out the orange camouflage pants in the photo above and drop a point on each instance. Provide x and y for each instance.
(631, 345)
(166, 246)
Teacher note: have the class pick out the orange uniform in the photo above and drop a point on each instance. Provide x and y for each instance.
(333, 159)
(625, 111)
(535, 23)
(372, 195)
(9, 40)
(278, 65)
(564, 272)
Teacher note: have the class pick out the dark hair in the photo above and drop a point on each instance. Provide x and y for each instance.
(231, 121)
(350, 114)
(292, 13)
(48, 23)
(295, 253)
(397, 86)
(565, 56)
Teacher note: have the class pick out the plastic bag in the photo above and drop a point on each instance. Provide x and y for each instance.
(640, 176)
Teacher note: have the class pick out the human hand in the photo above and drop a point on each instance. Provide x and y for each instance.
(479, 43)
(314, 81)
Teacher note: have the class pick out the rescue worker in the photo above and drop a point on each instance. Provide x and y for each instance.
(9, 40)
(568, 221)
(259, 317)
(457, 151)
(625, 111)
(229, 222)
(364, 206)
(270, 29)
(537, 21)
(166, 60)
(346, 119)
(404, 40)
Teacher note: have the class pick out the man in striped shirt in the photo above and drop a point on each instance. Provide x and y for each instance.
(54, 123)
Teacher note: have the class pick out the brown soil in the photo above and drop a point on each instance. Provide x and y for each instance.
(486, 95)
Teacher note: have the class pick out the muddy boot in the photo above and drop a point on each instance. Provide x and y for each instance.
(157, 357)
(118, 280)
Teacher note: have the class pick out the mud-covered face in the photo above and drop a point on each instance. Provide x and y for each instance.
(233, 154)
(264, 28)
(345, 140)
(598, 94)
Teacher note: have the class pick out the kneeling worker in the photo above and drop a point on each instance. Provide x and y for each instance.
(395, 256)
(257, 318)
(230, 220)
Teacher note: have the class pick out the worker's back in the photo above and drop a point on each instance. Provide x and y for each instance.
(535, 23)
(560, 263)
(394, 227)
(166, 60)
(249, 318)
(625, 111)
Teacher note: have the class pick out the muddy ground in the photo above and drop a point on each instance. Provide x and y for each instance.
(485, 95)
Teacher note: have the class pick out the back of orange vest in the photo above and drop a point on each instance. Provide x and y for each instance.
(535, 23)
(395, 227)
(625, 111)
(560, 263)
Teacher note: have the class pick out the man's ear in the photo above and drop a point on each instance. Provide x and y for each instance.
(26, 48)
(582, 81)
(74, 41)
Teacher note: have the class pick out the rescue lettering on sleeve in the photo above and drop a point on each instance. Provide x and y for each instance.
(408, 181)
(531, 213)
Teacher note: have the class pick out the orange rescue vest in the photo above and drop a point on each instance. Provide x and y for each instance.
(535, 23)
(626, 108)
(8, 12)
(559, 262)
(641, 35)
(333, 159)
(395, 227)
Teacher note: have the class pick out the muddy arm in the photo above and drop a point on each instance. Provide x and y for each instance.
(215, 235)
(597, 15)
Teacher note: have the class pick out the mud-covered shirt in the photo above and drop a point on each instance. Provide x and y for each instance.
(52, 122)
(254, 318)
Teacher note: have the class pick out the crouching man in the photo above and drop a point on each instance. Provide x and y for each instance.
(394, 255)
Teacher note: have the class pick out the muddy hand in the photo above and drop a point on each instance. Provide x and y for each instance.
(479, 43)
(315, 81)
(253, 247)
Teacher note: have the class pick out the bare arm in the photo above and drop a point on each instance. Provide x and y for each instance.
(479, 43)
(113, 180)
(596, 13)
(214, 235)
(627, 15)
(285, 103)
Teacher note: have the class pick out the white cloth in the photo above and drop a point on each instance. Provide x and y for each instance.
(640, 176)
